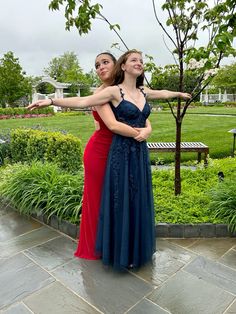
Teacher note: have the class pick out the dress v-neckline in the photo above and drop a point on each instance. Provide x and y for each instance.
(131, 102)
(140, 110)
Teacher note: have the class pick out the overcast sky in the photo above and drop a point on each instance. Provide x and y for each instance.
(36, 35)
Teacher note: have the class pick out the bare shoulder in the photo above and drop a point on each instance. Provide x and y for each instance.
(98, 89)
(110, 92)
(146, 90)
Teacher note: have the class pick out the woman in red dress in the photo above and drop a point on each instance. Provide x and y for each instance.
(95, 159)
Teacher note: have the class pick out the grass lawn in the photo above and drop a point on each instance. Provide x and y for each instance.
(197, 126)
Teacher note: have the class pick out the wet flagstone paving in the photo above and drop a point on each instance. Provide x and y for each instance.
(39, 274)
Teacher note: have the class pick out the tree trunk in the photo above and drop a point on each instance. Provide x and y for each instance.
(178, 152)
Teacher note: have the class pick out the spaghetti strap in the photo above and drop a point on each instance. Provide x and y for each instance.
(121, 92)
(142, 91)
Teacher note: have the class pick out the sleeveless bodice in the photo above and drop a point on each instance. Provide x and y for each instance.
(130, 114)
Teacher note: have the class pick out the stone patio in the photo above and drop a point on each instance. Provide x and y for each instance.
(39, 274)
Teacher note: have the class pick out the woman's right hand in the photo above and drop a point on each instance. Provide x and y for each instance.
(40, 104)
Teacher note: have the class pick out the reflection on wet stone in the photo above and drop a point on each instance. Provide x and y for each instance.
(20, 277)
(214, 273)
(53, 253)
(26, 241)
(17, 309)
(231, 309)
(145, 306)
(14, 224)
(229, 259)
(166, 261)
(213, 248)
(107, 290)
(64, 301)
(185, 294)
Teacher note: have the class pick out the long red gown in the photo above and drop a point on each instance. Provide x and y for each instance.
(95, 159)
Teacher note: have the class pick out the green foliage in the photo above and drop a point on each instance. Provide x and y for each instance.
(230, 104)
(18, 144)
(85, 13)
(187, 19)
(65, 151)
(62, 149)
(22, 110)
(66, 69)
(168, 78)
(223, 202)
(43, 188)
(13, 83)
(226, 78)
(192, 206)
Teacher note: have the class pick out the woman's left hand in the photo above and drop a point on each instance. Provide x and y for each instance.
(143, 134)
(185, 96)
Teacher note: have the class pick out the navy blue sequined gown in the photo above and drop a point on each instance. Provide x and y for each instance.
(126, 224)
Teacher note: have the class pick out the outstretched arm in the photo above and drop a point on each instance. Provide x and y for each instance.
(108, 94)
(107, 115)
(165, 94)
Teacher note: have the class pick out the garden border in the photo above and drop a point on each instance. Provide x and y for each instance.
(162, 230)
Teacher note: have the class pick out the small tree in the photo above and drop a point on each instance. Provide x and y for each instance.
(13, 83)
(188, 19)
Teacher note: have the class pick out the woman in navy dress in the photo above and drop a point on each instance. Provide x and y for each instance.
(126, 235)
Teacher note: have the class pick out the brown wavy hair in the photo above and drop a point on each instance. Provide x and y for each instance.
(117, 75)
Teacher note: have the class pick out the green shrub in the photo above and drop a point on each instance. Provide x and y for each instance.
(230, 103)
(18, 144)
(23, 110)
(43, 188)
(223, 202)
(37, 145)
(63, 149)
(5, 151)
(192, 206)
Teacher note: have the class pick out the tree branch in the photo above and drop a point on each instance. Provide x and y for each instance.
(163, 28)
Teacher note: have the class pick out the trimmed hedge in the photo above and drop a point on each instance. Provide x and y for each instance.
(27, 145)
(22, 111)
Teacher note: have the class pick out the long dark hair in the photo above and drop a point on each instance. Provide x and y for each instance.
(108, 54)
(117, 75)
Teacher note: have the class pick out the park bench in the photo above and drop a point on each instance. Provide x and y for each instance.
(185, 147)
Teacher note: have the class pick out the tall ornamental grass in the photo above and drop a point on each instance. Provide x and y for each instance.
(43, 188)
(223, 202)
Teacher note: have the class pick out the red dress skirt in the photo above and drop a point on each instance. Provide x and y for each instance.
(95, 159)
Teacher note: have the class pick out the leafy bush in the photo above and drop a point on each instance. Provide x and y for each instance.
(230, 103)
(63, 149)
(43, 189)
(23, 110)
(5, 151)
(223, 202)
(192, 206)
(18, 144)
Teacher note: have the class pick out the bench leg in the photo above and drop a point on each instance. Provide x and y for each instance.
(205, 160)
(199, 157)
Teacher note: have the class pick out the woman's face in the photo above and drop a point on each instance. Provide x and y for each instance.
(104, 66)
(133, 64)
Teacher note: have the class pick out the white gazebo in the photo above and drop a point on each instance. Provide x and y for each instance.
(59, 89)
